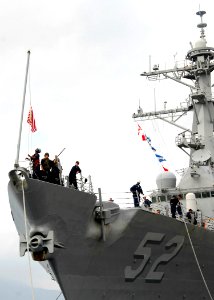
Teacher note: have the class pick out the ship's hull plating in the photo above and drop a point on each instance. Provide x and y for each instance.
(144, 256)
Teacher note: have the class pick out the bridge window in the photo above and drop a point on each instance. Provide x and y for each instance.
(162, 198)
(212, 193)
(205, 194)
(197, 195)
(154, 199)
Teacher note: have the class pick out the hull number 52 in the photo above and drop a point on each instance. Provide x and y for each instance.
(144, 253)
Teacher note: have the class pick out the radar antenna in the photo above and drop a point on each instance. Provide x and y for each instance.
(201, 25)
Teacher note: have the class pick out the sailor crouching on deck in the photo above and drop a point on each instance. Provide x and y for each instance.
(147, 203)
(72, 175)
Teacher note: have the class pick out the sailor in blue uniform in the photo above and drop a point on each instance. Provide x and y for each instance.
(136, 190)
(72, 175)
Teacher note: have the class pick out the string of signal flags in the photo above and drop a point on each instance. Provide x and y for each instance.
(147, 139)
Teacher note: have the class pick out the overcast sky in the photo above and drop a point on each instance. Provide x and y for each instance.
(85, 84)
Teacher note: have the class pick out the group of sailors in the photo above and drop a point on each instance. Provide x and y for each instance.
(48, 170)
(193, 217)
(51, 170)
(136, 190)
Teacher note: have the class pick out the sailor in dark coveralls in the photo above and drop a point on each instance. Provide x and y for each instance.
(136, 191)
(72, 175)
(46, 167)
(55, 172)
(36, 163)
(173, 204)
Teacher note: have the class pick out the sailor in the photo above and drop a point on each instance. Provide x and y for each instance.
(191, 217)
(173, 204)
(60, 169)
(146, 202)
(72, 175)
(35, 158)
(47, 164)
(136, 190)
(56, 171)
(179, 208)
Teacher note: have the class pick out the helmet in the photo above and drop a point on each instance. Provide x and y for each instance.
(38, 150)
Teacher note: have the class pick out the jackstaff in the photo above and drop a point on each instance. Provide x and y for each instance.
(16, 165)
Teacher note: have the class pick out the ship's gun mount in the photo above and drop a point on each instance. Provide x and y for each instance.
(109, 212)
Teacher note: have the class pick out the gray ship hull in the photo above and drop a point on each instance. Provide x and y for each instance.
(140, 256)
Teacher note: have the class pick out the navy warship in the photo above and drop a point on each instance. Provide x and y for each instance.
(95, 250)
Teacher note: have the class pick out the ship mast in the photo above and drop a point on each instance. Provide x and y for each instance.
(197, 142)
(16, 165)
(198, 67)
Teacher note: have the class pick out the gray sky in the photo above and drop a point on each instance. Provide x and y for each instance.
(85, 84)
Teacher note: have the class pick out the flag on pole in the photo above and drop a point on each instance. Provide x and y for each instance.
(31, 120)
